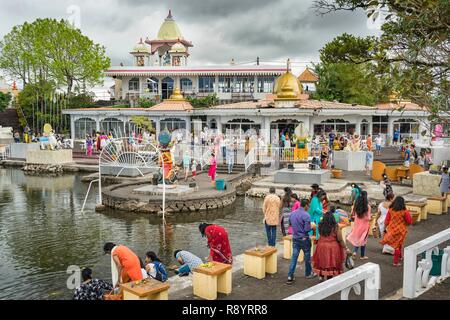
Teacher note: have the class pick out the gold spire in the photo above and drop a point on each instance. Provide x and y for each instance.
(176, 95)
(288, 66)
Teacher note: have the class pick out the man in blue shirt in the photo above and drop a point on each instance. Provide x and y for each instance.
(301, 226)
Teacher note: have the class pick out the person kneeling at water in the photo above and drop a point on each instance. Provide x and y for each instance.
(188, 261)
(154, 267)
(91, 289)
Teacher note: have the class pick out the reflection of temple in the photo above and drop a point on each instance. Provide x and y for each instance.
(253, 98)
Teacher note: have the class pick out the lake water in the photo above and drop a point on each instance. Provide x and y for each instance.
(43, 232)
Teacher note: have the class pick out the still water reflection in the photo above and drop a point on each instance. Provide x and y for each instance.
(42, 232)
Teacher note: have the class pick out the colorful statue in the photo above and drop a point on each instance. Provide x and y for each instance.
(354, 144)
(164, 139)
(48, 141)
(301, 143)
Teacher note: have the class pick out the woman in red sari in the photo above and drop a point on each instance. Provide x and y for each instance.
(218, 243)
(397, 220)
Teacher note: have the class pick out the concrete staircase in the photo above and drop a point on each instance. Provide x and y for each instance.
(10, 118)
(223, 169)
(390, 156)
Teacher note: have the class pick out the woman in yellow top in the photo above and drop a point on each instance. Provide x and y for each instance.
(336, 145)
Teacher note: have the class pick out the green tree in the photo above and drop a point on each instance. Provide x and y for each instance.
(347, 83)
(5, 99)
(143, 123)
(413, 49)
(204, 102)
(146, 103)
(48, 50)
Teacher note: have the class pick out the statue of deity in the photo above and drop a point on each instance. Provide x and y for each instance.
(354, 144)
(301, 143)
(166, 163)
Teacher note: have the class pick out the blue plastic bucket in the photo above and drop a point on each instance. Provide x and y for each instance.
(220, 184)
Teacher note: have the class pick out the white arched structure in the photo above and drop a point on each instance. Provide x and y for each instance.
(126, 153)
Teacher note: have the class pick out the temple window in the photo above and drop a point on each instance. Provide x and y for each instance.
(113, 125)
(83, 127)
(380, 125)
(225, 84)
(206, 84)
(186, 85)
(152, 85)
(133, 84)
(243, 84)
(266, 84)
(337, 125)
(172, 124)
(408, 128)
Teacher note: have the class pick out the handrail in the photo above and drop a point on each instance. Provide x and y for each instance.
(369, 273)
(416, 276)
(87, 194)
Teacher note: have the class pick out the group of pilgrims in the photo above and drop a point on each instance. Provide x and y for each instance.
(313, 220)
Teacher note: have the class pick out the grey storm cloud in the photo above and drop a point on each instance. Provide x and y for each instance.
(219, 29)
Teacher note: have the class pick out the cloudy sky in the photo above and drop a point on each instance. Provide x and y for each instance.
(219, 29)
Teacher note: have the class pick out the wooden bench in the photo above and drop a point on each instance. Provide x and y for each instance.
(208, 281)
(149, 289)
(259, 262)
(437, 205)
(420, 207)
(415, 215)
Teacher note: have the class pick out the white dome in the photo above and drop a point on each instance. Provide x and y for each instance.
(141, 47)
(178, 47)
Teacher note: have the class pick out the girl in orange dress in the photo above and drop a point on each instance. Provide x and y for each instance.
(396, 222)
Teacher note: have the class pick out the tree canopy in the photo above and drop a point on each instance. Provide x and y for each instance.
(48, 50)
(5, 99)
(412, 53)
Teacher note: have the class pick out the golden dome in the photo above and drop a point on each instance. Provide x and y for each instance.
(178, 48)
(287, 93)
(176, 95)
(169, 29)
(287, 80)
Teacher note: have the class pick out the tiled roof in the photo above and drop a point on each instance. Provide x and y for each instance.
(308, 76)
(168, 105)
(320, 104)
(405, 105)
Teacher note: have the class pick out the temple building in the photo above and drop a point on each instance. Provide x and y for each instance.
(161, 65)
(258, 99)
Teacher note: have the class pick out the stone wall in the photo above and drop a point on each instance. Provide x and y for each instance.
(172, 206)
(426, 184)
(49, 157)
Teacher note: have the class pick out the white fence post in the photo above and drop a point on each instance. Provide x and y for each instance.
(416, 276)
(369, 273)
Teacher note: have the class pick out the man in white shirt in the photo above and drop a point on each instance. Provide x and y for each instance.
(378, 145)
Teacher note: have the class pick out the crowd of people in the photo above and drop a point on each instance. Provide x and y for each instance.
(314, 220)
(127, 266)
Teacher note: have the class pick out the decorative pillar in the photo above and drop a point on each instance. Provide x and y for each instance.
(72, 127)
(158, 126)
(390, 133)
(160, 88)
(266, 129)
(216, 87)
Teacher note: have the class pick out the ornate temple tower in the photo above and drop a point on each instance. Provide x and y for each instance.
(170, 47)
(141, 54)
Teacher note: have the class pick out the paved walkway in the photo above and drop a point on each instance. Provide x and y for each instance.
(273, 287)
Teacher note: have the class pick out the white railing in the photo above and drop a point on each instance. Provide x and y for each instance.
(5, 152)
(416, 276)
(250, 158)
(369, 273)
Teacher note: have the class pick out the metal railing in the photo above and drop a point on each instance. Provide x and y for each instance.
(369, 273)
(416, 276)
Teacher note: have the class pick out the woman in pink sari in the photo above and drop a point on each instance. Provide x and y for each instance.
(212, 167)
(360, 229)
